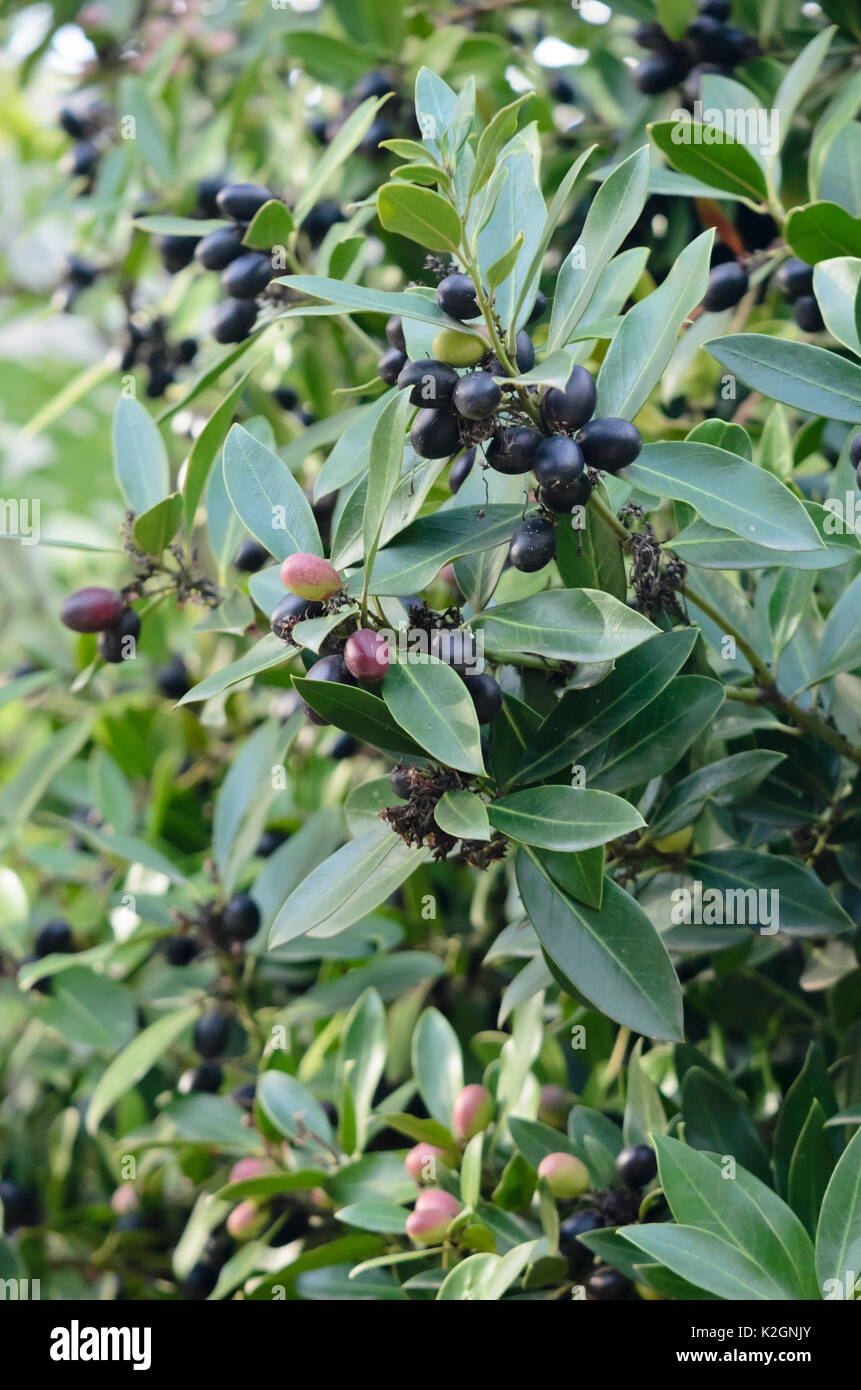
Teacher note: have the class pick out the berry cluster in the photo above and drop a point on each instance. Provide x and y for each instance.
(103, 611)
(710, 45)
(471, 410)
(89, 129)
(146, 344)
(636, 1166)
(795, 280)
(398, 117)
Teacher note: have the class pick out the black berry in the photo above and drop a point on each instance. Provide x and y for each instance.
(432, 382)
(85, 158)
(855, 450)
(19, 1208)
(172, 678)
(219, 248)
(533, 545)
(476, 396)
(269, 841)
(233, 320)
(211, 1032)
(486, 695)
(181, 950)
(242, 200)
(251, 556)
(727, 284)
(461, 469)
(636, 1165)
(400, 783)
(395, 333)
(391, 364)
(657, 73)
(716, 9)
(286, 397)
(241, 917)
(573, 1227)
(539, 308)
(569, 409)
(435, 434)
(512, 450)
(808, 315)
(117, 642)
(177, 251)
(606, 1284)
(207, 194)
(609, 443)
(293, 609)
(456, 297)
(524, 351)
(564, 499)
(328, 668)
(54, 938)
(248, 275)
(558, 462)
(795, 278)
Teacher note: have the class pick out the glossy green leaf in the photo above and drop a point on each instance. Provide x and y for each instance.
(437, 1065)
(140, 458)
(462, 814)
(135, 1060)
(267, 497)
(563, 624)
(563, 818)
(428, 699)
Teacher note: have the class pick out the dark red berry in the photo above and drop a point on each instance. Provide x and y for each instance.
(609, 443)
(435, 434)
(476, 396)
(569, 409)
(533, 545)
(92, 610)
(727, 285)
(512, 450)
(456, 297)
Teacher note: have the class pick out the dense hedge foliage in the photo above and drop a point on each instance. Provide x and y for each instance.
(431, 732)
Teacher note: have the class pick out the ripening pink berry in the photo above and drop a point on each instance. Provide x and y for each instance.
(310, 576)
(248, 1168)
(428, 1227)
(125, 1199)
(422, 1160)
(367, 655)
(245, 1220)
(435, 1199)
(566, 1175)
(92, 610)
(473, 1111)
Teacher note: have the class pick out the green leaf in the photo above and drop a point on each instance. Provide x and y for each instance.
(535, 1140)
(709, 154)
(126, 847)
(580, 874)
(644, 344)
(796, 83)
(135, 1060)
(270, 226)
(347, 886)
(840, 649)
(267, 498)
(268, 652)
(23, 793)
(798, 374)
(821, 231)
(155, 529)
(362, 1056)
(206, 448)
(428, 699)
(727, 491)
(291, 1107)
(564, 624)
(385, 1217)
(519, 212)
(654, 741)
(716, 1120)
(409, 303)
(416, 557)
(810, 1168)
(462, 814)
(723, 783)
(244, 797)
(674, 16)
(384, 471)
(805, 906)
(503, 266)
(437, 1065)
(563, 818)
(615, 208)
(613, 956)
(90, 1010)
(585, 718)
(212, 1120)
(392, 976)
(496, 133)
(710, 547)
(813, 1083)
(359, 713)
(140, 458)
(837, 285)
(554, 213)
(644, 1110)
(163, 224)
(421, 215)
(705, 1260)
(741, 1210)
(337, 152)
(838, 1234)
